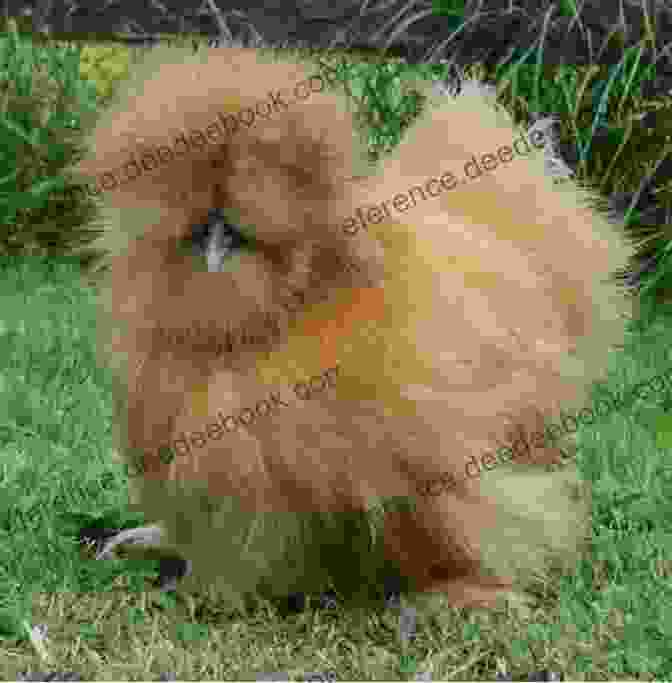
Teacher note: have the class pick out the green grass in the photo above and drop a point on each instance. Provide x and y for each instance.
(611, 619)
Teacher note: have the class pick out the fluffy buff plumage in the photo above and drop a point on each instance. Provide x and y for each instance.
(449, 329)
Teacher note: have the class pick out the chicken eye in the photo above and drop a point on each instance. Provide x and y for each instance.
(217, 240)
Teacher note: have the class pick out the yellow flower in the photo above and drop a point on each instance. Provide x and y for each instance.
(105, 66)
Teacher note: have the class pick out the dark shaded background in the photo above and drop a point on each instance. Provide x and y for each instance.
(407, 28)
